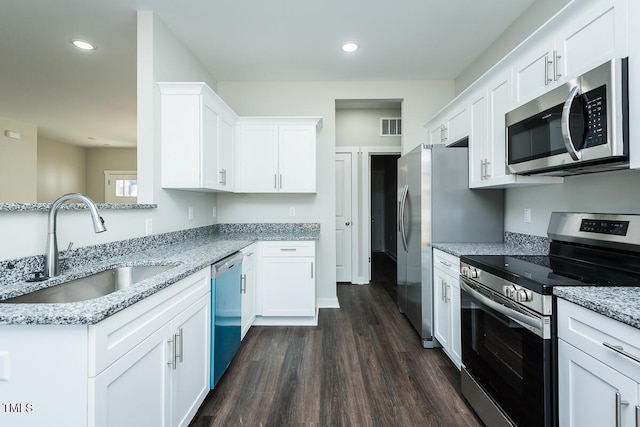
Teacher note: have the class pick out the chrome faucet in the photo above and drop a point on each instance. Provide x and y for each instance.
(51, 258)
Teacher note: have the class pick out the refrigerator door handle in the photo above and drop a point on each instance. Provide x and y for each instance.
(402, 207)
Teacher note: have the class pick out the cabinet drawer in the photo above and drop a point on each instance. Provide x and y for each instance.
(448, 263)
(288, 249)
(113, 337)
(590, 331)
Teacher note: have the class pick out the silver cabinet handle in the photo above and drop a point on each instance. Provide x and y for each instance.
(281, 181)
(312, 270)
(275, 181)
(442, 290)
(564, 125)
(620, 350)
(637, 416)
(556, 67)
(448, 264)
(180, 335)
(619, 404)
(547, 62)
(288, 249)
(220, 179)
(243, 284)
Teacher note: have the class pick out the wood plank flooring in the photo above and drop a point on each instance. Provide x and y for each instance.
(363, 365)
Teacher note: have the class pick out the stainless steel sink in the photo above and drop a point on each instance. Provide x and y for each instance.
(93, 286)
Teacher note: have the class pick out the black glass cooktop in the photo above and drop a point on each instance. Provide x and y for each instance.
(542, 273)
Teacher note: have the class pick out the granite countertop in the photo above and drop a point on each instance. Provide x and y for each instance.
(619, 303)
(187, 257)
(459, 249)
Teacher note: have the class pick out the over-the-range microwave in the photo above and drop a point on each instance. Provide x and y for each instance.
(579, 127)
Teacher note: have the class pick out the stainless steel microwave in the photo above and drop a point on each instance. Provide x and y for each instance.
(579, 127)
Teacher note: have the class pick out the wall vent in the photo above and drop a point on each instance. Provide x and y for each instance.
(390, 126)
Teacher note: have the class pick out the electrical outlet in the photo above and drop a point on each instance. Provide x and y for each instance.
(292, 211)
(527, 215)
(148, 227)
(190, 214)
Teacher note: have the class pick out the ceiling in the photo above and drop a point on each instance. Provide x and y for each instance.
(89, 98)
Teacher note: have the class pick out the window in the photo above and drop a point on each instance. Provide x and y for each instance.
(390, 126)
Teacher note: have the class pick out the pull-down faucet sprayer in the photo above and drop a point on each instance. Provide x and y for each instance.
(51, 259)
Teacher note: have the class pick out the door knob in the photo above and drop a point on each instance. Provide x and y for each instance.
(347, 223)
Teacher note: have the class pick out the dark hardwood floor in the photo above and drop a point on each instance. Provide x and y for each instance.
(363, 365)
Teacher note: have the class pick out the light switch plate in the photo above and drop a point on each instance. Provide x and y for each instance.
(4, 366)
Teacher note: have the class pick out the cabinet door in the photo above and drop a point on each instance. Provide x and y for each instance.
(458, 125)
(297, 159)
(225, 154)
(288, 286)
(133, 391)
(209, 167)
(190, 373)
(595, 34)
(257, 159)
(499, 93)
(436, 135)
(441, 308)
(532, 71)
(249, 278)
(587, 391)
(478, 155)
(455, 348)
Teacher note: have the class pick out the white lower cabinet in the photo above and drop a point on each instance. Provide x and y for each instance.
(287, 282)
(599, 380)
(446, 297)
(248, 289)
(147, 365)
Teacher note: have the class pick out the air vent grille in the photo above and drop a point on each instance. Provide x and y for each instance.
(390, 126)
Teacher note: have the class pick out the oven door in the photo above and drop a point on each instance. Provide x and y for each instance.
(507, 351)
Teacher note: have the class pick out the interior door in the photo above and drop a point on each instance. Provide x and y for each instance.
(377, 211)
(343, 217)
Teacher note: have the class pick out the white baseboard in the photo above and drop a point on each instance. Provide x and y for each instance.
(286, 320)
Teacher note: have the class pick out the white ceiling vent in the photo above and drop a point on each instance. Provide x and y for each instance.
(391, 126)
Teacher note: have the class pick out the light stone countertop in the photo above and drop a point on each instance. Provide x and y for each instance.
(619, 303)
(188, 257)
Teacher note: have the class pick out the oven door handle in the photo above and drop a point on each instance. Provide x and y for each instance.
(526, 320)
(564, 125)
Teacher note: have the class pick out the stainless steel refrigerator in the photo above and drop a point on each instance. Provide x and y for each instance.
(435, 204)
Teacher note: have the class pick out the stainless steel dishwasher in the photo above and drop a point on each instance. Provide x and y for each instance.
(226, 307)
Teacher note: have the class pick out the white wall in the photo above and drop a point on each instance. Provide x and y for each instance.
(61, 169)
(107, 158)
(421, 99)
(530, 20)
(608, 192)
(161, 57)
(18, 162)
(361, 127)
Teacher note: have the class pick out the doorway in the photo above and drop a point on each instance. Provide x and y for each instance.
(384, 182)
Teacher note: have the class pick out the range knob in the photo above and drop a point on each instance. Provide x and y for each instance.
(472, 273)
(523, 295)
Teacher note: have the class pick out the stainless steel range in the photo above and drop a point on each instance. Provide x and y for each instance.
(507, 313)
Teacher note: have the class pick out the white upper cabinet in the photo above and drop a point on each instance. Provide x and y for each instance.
(450, 127)
(589, 33)
(276, 154)
(487, 139)
(197, 132)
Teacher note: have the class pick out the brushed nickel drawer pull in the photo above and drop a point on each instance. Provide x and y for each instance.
(620, 350)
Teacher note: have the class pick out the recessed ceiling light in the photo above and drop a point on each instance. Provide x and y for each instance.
(350, 47)
(83, 44)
